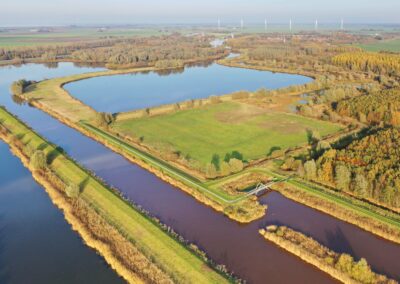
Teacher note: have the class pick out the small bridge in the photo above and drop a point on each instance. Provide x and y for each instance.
(262, 188)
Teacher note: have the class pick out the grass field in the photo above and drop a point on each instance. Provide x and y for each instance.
(213, 193)
(223, 128)
(65, 35)
(389, 45)
(180, 262)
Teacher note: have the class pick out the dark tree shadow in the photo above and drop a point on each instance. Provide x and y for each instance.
(338, 242)
(42, 146)
(309, 136)
(20, 136)
(54, 154)
(83, 184)
(272, 149)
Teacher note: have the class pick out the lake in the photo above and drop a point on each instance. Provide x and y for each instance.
(126, 92)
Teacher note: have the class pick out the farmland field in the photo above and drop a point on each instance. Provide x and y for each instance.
(24, 38)
(389, 45)
(222, 128)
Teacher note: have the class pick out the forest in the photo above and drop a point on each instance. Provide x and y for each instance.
(163, 51)
(373, 108)
(367, 168)
(380, 63)
(300, 53)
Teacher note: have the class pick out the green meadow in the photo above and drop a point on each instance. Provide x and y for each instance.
(222, 128)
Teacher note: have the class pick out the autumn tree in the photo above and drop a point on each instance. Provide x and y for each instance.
(72, 190)
(345, 263)
(211, 171)
(236, 165)
(360, 185)
(310, 170)
(18, 87)
(342, 177)
(225, 169)
(38, 160)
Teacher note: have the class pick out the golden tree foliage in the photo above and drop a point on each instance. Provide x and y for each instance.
(372, 164)
(381, 63)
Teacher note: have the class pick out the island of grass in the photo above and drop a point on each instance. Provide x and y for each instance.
(201, 134)
(133, 243)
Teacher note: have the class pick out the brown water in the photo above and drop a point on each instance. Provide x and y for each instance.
(240, 247)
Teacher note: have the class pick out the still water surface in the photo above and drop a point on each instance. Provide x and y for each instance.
(36, 244)
(137, 91)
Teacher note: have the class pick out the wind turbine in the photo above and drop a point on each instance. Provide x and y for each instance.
(316, 25)
(265, 25)
(241, 24)
(342, 24)
(290, 25)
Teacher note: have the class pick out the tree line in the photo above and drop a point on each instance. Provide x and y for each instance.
(375, 108)
(233, 162)
(166, 51)
(380, 63)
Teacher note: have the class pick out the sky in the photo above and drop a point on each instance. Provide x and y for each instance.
(91, 12)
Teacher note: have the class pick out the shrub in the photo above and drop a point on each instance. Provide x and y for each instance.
(310, 170)
(103, 119)
(18, 87)
(29, 150)
(236, 165)
(72, 190)
(225, 169)
(240, 95)
(169, 63)
(215, 100)
(211, 171)
(38, 160)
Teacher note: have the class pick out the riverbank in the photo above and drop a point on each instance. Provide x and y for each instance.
(111, 223)
(238, 62)
(340, 266)
(352, 211)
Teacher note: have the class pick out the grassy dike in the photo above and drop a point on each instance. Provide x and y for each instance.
(133, 243)
(340, 266)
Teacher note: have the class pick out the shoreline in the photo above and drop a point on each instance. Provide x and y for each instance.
(347, 215)
(321, 257)
(128, 256)
(87, 237)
